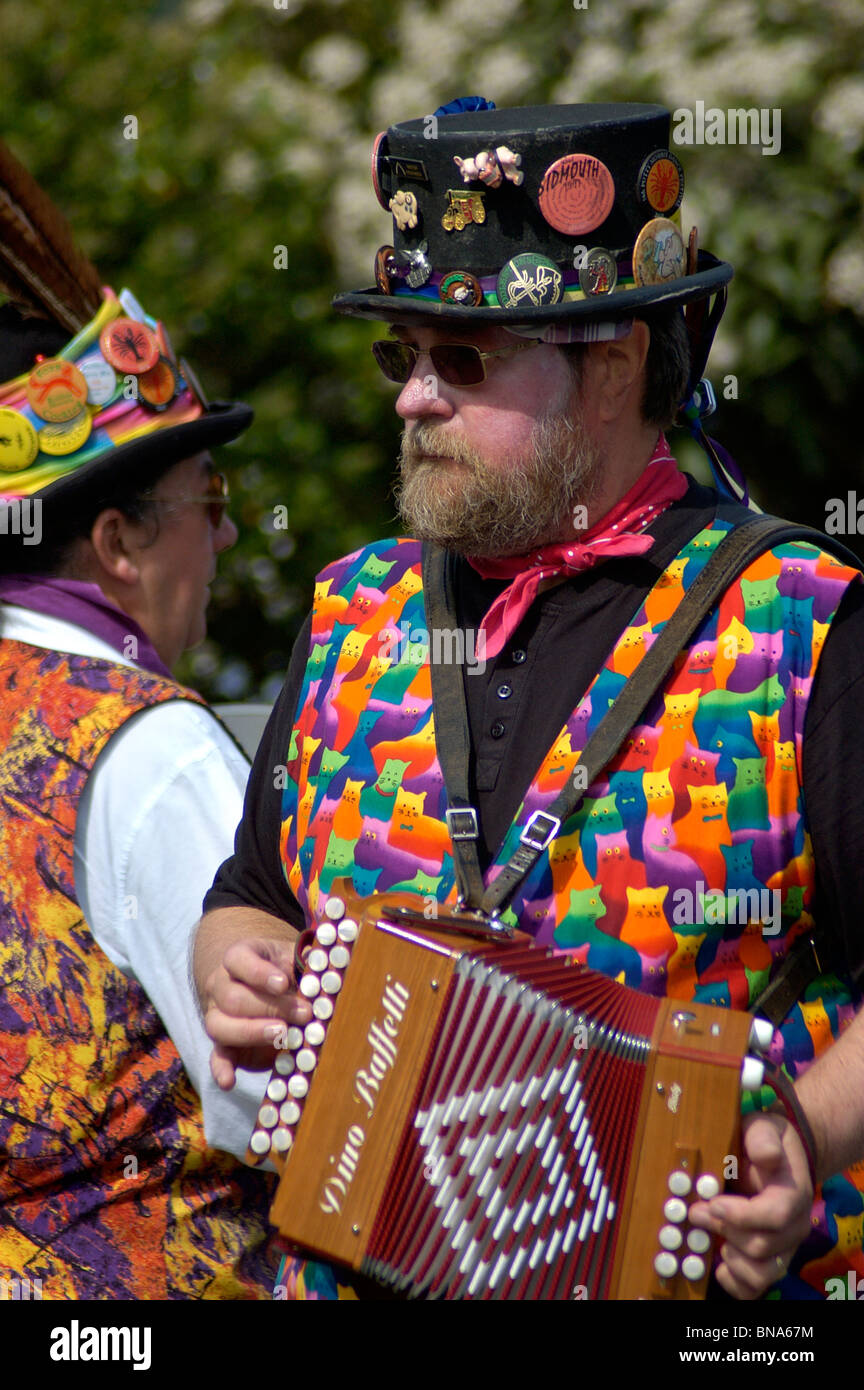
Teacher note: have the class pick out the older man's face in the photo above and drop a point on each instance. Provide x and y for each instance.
(497, 468)
(177, 568)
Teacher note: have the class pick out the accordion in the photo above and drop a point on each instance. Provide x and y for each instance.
(468, 1117)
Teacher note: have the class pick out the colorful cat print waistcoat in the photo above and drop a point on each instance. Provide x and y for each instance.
(687, 870)
(107, 1187)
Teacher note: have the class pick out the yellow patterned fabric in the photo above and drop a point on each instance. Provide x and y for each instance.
(107, 1187)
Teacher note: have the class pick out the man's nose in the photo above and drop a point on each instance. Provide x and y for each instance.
(424, 394)
(225, 534)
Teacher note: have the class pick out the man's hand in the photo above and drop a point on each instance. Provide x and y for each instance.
(244, 972)
(762, 1231)
(251, 997)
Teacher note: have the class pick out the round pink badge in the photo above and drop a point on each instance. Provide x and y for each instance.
(376, 172)
(576, 194)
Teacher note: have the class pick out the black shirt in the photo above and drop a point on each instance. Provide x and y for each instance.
(520, 702)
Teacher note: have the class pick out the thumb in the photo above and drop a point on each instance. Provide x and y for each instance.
(281, 955)
(222, 1068)
(763, 1145)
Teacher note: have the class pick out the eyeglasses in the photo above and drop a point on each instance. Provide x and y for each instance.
(216, 499)
(459, 364)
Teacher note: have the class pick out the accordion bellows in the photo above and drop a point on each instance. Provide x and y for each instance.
(468, 1118)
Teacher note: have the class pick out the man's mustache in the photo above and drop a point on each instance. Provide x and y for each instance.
(422, 444)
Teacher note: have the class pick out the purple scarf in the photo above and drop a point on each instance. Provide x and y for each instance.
(78, 602)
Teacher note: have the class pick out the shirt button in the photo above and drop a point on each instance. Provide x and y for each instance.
(504, 692)
(497, 730)
(518, 656)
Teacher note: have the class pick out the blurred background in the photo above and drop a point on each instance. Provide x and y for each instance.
(244, 203)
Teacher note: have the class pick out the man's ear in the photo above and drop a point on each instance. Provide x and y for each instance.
(616, 371)
(110, 540)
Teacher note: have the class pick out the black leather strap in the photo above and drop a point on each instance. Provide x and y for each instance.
(807, 958)
(451, 725)
(738, 548)
(731, 556)
(785, 1093)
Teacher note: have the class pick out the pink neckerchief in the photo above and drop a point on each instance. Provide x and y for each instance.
(656, 488)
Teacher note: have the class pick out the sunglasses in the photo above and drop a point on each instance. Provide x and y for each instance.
(459, 364)
(216, 499)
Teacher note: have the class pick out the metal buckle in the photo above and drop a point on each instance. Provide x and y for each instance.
(462, 823)
(706, 401)
(540, 830)
(474, 924)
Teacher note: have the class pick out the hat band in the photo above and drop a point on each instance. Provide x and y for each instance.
(489, 285)
(46, 433)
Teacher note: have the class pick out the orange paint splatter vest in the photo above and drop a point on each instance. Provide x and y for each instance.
(107, 1187)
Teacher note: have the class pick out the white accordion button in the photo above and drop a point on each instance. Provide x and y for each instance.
(314, 1034)
(306, 1059)
(322, 1007)
(692, 1267)
(310, 985)
(294, 1039)
(348, 930)
(707, 1186)
(698, 1240)
(339, 957)
(284, 1063)
(282, 1140)
(298, 1086)
(289, 1113)
(761, 1034)
(260, 1142)
(671, 1238)
(326, 934)
(334, 908)
(680, 1183)
(331, 982)
(752, 1074)
(277, 1090)
(675, 1210)
(317, 960)
(666, 1265)
(267, 1116)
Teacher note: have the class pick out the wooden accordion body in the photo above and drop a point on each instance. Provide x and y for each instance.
(494, 1120)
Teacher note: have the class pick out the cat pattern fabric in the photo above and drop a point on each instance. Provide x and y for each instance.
(688, 868)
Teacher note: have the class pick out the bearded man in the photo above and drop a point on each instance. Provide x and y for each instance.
(547, 515)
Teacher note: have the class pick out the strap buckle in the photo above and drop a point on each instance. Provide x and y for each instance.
(540, 830)
(704, 398)
(462, 823)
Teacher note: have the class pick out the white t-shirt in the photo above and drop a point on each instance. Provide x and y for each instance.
(155, 820)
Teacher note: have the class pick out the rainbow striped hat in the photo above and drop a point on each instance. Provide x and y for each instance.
(113, 401)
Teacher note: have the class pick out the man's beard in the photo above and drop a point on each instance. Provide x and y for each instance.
(476, 509)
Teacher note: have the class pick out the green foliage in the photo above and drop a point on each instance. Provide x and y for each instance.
(255, 120)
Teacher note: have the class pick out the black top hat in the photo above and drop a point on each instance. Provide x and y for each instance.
(532, 215)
